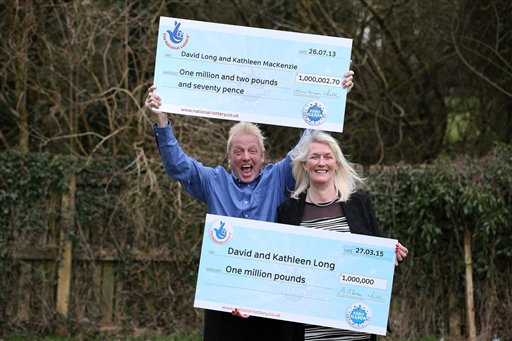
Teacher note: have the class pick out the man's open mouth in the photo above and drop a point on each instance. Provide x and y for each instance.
(246, 169)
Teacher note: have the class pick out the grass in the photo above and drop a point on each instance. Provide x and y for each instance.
(173, 337)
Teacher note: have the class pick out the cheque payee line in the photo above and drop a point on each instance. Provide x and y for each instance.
(301, 265)
(233, 65)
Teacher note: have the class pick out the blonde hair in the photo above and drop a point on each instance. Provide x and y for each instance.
(245, 128)
(346, 177)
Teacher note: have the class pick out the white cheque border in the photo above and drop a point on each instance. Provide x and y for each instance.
(259, 32)
(299, 230)
(341, 324)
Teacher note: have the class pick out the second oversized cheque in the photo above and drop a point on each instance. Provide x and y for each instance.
(293, 273)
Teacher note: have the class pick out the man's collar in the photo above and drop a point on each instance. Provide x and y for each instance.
(240, 182)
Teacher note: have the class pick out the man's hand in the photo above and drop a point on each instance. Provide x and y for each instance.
(153, 102)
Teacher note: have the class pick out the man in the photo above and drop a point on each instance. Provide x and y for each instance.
(250, 191)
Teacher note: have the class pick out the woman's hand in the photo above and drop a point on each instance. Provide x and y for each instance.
(236, 312)
(401, 252)
(348, 82)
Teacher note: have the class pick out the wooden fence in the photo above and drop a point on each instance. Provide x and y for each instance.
(61, 287)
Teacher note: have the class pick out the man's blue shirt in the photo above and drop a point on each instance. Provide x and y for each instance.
(221, 191)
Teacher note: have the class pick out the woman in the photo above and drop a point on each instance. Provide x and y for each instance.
(325, 197)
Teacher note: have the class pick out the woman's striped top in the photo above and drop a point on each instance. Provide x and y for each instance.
(329, 218)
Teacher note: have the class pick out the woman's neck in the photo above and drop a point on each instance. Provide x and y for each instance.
(322, 194)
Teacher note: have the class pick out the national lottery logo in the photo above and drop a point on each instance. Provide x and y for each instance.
(220, 231)
(176, 39)
(314, 113)
(358, 315)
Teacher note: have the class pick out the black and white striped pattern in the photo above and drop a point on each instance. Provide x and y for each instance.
(318, 333)
(338, 224)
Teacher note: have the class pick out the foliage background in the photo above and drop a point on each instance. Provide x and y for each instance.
(432, 96)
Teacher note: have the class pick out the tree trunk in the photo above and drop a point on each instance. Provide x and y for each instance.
(454, 323)
(23, 39)
(65, 255)
(470, 304)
